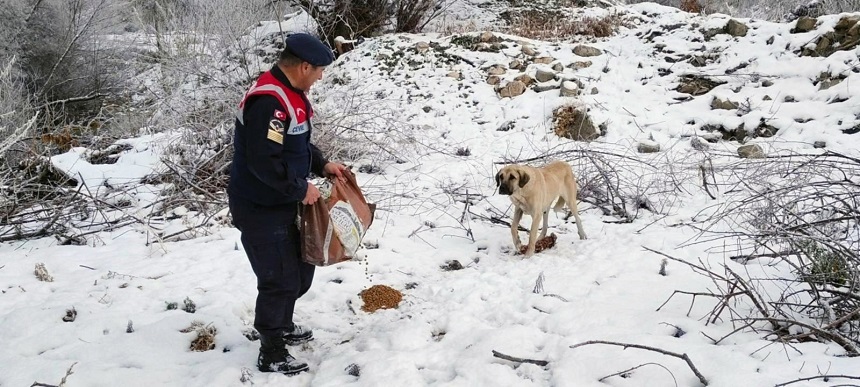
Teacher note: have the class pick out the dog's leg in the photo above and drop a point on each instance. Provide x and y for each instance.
(545, 224)
(533, 233)
(571, 204)
(575, 211)
(515, 225)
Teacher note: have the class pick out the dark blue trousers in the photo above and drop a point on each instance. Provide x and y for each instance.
(272, 243)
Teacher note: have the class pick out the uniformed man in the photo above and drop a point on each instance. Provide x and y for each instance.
(268, 182)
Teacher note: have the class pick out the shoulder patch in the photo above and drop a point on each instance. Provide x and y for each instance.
(280, 115)
(276, 125)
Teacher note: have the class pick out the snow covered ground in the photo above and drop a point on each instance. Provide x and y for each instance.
(445, 331)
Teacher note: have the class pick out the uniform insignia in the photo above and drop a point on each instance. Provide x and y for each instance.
(276, 126)
(280, 115)
(275, 136)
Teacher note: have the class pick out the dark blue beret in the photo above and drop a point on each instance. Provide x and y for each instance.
(309, 49)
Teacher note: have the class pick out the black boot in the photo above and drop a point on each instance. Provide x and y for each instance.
(298, 335)
(275, 358)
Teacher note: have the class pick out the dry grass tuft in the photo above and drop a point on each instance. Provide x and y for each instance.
(205, 340)
(556, 26)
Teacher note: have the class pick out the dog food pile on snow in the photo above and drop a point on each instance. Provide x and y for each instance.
(542, 244)
(380, 297)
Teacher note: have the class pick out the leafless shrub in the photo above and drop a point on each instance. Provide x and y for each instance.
(363, 18)
(556, 25)
(691, 6)
(800, 213)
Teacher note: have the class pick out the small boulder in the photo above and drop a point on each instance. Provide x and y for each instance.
(580, 64)
(699, 144)
(719, 104)
(544, 75)
(487, 37)
(544, 60)
(751, 151)
(583, 50)
(512, 89)
(497, 70)
(648, 147)
(804, 24)
(736, 28)
(529, 50)
(569, 89)
(525, 79)
(574, 123)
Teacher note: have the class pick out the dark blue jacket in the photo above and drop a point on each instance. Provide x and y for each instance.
(265, 173)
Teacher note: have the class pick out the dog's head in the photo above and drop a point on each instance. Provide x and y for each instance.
(511, 178)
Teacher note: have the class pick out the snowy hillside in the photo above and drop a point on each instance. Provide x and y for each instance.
(434, 129)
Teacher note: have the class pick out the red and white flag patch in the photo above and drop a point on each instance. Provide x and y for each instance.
(280, 115)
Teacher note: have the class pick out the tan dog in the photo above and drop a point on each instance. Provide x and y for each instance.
(533, 190)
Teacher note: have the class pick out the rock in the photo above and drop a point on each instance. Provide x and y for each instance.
(456, 75)
(736, 28)
(751, 151)
(822, 48)
(558, 67)
(696, 85)
(569, 89)
(829, 82)
(544, 60)
(494, 79)
(512, 89)
(699, 144)
(487, 37)
(767, 83)
(422, 47)
(819, 144)
(580, 64)
(583, 50)
(497, 70)
(544, 75)
(516, 64)
(508, 125)
(789, 99)
(525, 79)
(648, 147)
(765, 130)
(804, 24)
(708, 34)
(574, 123)
(529, 50)
(846, 22)
(766, 98)
(541, 87)
(594, 90)
(718, 103)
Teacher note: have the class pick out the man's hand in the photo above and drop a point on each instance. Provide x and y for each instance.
(312, 195)
(335, 170)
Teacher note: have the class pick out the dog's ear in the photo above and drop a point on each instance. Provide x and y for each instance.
(499, 178)
(524, 178)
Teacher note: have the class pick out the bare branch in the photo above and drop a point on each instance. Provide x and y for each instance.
(542, 363)
(682, 356)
